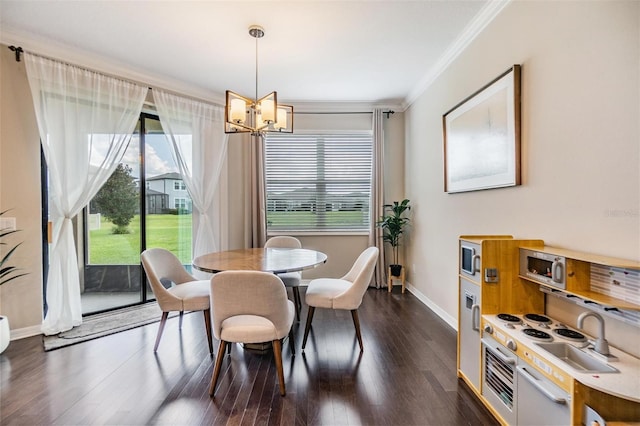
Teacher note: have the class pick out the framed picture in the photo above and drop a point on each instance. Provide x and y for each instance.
(482, 137)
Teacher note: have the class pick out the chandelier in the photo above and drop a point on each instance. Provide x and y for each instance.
(257, 116)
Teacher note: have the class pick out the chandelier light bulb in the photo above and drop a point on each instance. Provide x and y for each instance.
(238, 111)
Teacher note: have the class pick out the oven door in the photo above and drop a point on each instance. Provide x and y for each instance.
(542, 403)
(499, 379)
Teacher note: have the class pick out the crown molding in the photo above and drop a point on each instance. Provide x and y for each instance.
(345, 107)
(471, 31)
(84, 59)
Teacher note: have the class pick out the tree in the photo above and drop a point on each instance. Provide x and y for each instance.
(117, 199)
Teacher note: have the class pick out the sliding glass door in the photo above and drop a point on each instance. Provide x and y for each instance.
(143, 204)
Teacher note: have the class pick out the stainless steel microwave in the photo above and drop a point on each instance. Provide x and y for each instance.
(545, 268)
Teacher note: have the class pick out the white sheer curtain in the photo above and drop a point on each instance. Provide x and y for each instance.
(377, 196)
(86, 121)
(196, 132)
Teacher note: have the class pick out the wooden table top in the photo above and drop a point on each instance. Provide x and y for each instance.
(276, 260)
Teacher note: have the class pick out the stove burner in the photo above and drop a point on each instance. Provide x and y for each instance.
(570, 334)
(541, 319)
(509, 318)
(537, 334)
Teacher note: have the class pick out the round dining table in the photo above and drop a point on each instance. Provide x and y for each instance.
(276, 260)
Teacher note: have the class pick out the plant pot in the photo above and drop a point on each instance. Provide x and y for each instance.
(5, 333)
(395, 270)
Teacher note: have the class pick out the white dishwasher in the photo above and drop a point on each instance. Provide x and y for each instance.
(540, 402)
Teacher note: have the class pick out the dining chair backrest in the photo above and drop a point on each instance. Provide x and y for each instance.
(283, 241)
(360, 276)
(250, 293)
(160, 264)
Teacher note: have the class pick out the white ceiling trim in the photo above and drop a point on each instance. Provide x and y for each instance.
(81, 58)
(471, 31)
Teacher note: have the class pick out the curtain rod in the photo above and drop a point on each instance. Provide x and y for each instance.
(18, 51)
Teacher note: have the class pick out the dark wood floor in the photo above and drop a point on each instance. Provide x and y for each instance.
(406, 376)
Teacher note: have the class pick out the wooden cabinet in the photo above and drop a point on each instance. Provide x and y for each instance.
(579, 270)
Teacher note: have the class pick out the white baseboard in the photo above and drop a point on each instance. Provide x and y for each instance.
(21, 333)
(453, 322)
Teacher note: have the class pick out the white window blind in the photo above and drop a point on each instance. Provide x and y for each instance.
(318, 182)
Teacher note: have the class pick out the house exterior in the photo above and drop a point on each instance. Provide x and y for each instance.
(167, 192)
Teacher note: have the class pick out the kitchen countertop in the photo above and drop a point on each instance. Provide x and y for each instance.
(624, 384)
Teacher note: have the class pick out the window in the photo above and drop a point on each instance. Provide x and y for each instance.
(179, 185)
(180, 203)
(112, 271)
(318, 182)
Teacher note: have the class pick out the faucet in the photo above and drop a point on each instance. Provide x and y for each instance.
(601, 344)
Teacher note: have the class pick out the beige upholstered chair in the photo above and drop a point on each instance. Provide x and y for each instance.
(290, 279)
(342, 293)
(188, 294)
(250, 307)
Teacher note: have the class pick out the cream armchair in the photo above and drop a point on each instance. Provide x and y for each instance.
(250, 307)
(290, 279)
(342, 293)
(188, 293)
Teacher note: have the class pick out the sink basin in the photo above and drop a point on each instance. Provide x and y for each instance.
(576, 359)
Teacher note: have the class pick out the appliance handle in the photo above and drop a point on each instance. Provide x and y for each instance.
(556, 271)
(536, 383)
(475, 317)
(475, 260)
(498, 353)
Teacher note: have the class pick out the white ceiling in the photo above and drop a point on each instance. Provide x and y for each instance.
(374, 52)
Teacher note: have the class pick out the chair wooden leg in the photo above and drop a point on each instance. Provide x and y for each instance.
(308, 326)
(297, 301)
(277, 354)
(163, 320)
(207, 325)
(180, 324)
(356, 323)
(216, 369)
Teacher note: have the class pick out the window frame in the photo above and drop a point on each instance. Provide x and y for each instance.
(365, 228)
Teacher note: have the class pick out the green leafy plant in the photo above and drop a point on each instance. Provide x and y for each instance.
(7, 272)
(393, 224)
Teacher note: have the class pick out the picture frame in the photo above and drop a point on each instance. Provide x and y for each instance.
(482, 137)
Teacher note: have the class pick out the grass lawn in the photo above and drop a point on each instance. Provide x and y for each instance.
(338, 219)
(172, 232)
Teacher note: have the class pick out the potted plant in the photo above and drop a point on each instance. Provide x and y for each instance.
(7, 273)
(393, 224)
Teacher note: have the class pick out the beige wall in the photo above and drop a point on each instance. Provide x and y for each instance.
(580, 140)
(21, 299)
